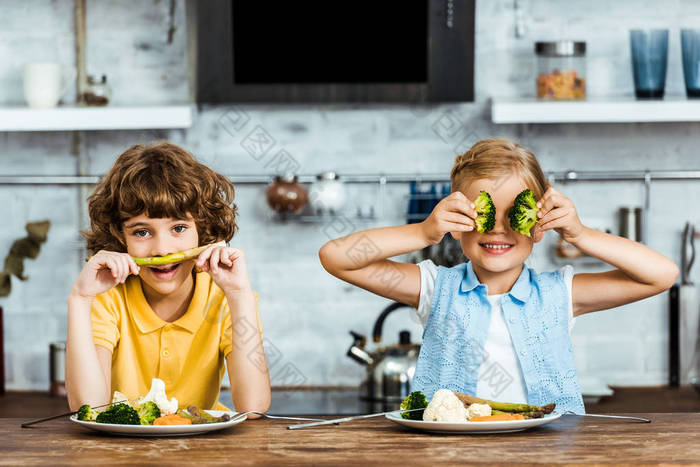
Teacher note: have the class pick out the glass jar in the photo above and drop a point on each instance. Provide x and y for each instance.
(561, 70)
(97, 91)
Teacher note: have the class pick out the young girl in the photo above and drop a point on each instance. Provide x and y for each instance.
(128, 324)
(493, 327)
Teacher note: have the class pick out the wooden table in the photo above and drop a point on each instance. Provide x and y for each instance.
(669, 439)
(345, 401)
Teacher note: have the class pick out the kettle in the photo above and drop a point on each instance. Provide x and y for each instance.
(390, 369)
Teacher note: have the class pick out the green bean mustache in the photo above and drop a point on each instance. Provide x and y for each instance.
(172, 258)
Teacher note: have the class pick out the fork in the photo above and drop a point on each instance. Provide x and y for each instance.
(277, 417)
(639, 419)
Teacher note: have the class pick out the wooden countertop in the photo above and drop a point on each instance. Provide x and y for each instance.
(669, 439)
(345, 401)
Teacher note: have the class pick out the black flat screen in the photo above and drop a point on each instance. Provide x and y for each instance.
(313, 41)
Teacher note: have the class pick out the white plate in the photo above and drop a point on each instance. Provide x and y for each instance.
(163, 430)
(473, 427)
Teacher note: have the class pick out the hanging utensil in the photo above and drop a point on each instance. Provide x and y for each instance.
(688, 244)
(684, 318)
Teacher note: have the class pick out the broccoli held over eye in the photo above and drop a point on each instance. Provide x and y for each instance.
(523, 214)
(486, 210)
(86, 414)
(148, 411)
(121, 414)
(415, 400)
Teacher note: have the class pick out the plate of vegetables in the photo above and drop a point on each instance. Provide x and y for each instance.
(453, 412)
(154, 415)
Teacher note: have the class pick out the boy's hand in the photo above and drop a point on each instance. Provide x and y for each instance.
(102, 272)
(559, 213)
(227, 266)
(455, 213)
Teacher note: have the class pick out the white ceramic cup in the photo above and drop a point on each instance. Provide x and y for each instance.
(44, 84)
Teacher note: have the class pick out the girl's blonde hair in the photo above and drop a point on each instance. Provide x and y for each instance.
(496, 158)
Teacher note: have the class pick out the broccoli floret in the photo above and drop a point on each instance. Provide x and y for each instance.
(148, 411)
(486, 210)
(86, 414)
(415, 400)
(523, 214)
(121, 414)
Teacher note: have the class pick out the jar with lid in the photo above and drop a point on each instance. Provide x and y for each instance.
(98, 91)
(561, 70)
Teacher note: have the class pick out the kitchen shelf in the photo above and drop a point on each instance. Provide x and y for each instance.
(595, 110)
(70, 118)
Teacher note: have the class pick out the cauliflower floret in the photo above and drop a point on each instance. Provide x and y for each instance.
(478, 410)
(120, 397)
(445, 407)
(157, 395)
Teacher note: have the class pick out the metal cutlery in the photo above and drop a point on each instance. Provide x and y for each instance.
(276, 417)
(346, 419)
(626, 417)
(359, 417)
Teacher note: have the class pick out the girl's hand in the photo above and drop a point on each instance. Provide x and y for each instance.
(559, 213)
(455, 213)
(227, 266)
(102, 272)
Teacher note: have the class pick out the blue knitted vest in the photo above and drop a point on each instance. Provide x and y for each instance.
(536, 314)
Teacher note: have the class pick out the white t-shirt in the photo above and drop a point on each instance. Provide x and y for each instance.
(500, 376)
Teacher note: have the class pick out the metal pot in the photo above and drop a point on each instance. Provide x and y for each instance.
(286, 195)
(390, 369)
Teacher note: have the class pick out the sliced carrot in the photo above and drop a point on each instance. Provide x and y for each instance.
(504, 417)
(172, 419)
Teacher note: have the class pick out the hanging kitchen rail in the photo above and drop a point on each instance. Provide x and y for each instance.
(257, 179)
(382, 180)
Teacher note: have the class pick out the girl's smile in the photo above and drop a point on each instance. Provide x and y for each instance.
(494, 247)
(498, 255)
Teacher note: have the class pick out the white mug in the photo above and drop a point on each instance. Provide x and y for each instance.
(44, 84)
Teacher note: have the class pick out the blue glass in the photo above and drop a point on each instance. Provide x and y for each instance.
(649, 58)
(690, 50)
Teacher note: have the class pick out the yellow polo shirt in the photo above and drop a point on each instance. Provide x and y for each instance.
(187, 354)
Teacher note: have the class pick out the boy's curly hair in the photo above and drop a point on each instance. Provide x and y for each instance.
(495, 158)
(160, 180)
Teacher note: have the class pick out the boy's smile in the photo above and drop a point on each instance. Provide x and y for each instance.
(146, 236)
(165, 272)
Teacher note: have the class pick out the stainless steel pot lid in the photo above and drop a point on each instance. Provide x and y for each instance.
(561, 48)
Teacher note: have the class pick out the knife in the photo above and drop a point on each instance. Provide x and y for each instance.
(346, 419)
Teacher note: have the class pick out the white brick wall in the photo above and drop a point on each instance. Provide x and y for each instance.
(307, 313)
